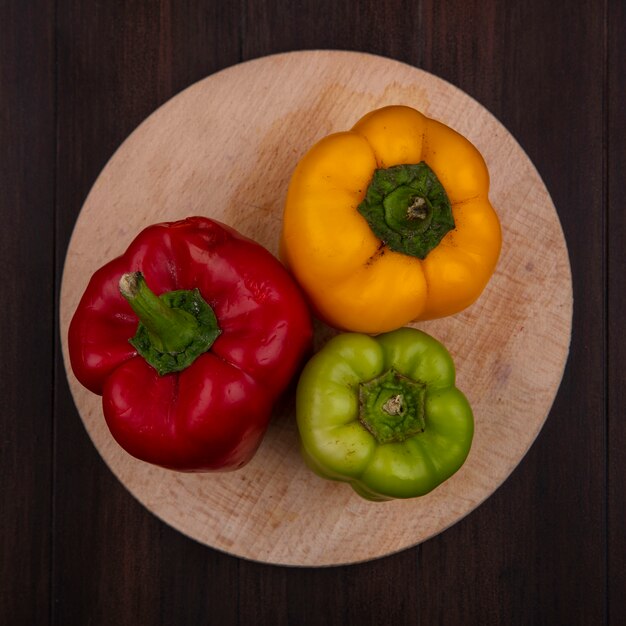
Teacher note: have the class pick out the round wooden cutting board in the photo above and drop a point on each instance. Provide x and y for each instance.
(226, 148)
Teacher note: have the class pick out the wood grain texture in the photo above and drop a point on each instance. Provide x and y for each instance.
(225, 148)
(392, 28)
(114, 561)
(516, 59)
(616, 305)
(546, 548)
(28, 314)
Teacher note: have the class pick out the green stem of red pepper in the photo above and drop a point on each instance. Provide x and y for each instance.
(174, 328)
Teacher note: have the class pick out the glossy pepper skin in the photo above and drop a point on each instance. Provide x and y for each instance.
(213, 413)
(349, 234)
(383, 414)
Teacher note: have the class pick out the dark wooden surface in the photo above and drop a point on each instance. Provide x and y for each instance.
(549, 547)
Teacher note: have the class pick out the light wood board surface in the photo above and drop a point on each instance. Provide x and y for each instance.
(225, 148)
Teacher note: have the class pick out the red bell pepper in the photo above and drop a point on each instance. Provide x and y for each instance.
(189, 378)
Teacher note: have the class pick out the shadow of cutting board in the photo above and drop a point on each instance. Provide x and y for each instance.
(226, 148)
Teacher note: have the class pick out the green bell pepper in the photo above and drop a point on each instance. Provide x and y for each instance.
(383, 414)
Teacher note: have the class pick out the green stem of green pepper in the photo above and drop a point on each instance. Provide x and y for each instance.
(392, 406)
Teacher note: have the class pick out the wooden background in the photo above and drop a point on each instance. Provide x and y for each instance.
(549, 547)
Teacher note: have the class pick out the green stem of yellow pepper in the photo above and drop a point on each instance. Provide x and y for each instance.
(407, 208)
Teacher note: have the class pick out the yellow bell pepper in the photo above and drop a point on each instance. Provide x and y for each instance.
(390, 222)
